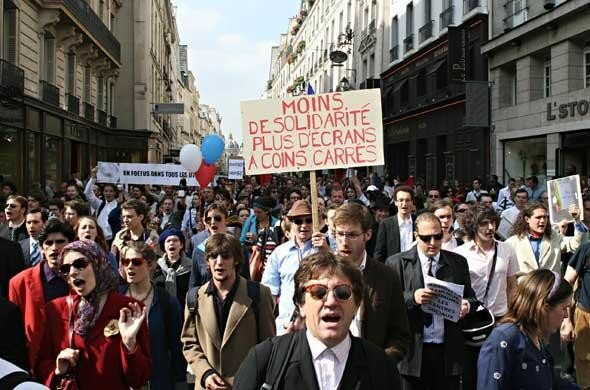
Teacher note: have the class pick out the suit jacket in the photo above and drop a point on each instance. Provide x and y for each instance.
(11, 263)
(205, 349)
(382, 312)
(13, 346)
(25, 246)
(367, 367)
(26, 291)
(550, 253)
(451, 268)
(388, 241)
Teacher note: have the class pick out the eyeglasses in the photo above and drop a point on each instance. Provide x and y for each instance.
(79, 264)
(429, 237)
(461, 210)
(57, 242)
(11, 205)
(351, 236)
(299, 221)
(138, 261)
(318, 292)
(216, 218)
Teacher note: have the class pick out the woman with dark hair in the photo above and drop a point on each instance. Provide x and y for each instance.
(515, 355)
(96, 334)
(87, 228)
(536, 244)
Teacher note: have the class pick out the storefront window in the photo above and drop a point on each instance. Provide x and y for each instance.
(34, 160)
(53, 160)
(526, 157)
(10, 156)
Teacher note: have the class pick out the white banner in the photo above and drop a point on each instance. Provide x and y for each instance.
(153, 174)
(235, 170)
(309, 132)
(447, 302)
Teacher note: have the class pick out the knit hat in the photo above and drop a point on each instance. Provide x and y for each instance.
(168, 233)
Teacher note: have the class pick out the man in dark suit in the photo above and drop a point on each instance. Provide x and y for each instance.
(395, 233)
(381, 318)
(11, 263)
(34, 221)
(328, 292)
(435, 359)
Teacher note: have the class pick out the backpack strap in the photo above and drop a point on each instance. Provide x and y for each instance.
(254, 295)
(282, 348)
(102, 206)
(10, 381)
(192, 301)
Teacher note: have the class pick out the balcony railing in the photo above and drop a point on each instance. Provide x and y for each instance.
(409, 43)
(90, 20)
(49, 93)
(12, 79)
(113, 122)
(73, 104)
(425, 31)
(89, 111)
(393, 53)
(446, 17)
(102, 117)
(469, 5)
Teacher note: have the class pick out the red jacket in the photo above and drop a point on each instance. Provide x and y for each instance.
(26, 290)
(104, 362)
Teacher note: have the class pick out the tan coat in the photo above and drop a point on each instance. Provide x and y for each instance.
(550, 254)
(205, 348)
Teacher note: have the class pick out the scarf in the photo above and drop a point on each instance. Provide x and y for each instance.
(171, 273)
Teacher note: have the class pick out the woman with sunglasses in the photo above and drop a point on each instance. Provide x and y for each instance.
(515, 355)
(164, 316)
(88, 228)
(96, 335)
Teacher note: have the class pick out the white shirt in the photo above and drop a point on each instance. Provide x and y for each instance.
(355, 325)
(328, 363)
(451, 244)
(435, 333)
(473, 195)
(406, 228)
(95, 203)
(480, 266)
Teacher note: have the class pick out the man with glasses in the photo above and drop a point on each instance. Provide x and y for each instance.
(282, 264)
(437, 352)
(432, 197)
(381, 317)
(34, 287)
(16, 209)
(395, 233)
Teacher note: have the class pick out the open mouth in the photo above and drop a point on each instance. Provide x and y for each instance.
(87, 237)
(345, 252)
(131, 273)
(214, 228)
(79, 283)
(331, 318)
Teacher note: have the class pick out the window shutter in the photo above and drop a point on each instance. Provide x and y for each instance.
(100, 93)
(11, 36)
(71, 75)
(49, 59)
(87, 84)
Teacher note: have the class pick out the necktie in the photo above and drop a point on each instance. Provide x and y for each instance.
(35, 253)
(427, 317)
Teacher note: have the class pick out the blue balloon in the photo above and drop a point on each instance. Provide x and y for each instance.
(212, 148)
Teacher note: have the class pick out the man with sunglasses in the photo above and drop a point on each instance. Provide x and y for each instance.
(437, 351)
(284, 261)
(381, 317)
(328, 292)
(16, 209)
(34, 287)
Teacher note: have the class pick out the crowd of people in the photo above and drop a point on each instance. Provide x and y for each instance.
(235, 285)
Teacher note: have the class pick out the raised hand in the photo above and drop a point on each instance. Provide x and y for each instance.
(130, 319)
(66, 359)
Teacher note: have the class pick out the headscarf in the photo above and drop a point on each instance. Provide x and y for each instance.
(106, 281)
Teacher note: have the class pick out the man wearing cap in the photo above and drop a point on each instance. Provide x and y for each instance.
(174, 268)
(284, 262)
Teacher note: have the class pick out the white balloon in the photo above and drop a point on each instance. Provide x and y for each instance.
(190, 157)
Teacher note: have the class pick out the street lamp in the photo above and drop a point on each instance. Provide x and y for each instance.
(343, 85)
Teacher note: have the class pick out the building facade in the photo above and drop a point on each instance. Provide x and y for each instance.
(539, 61)
(432, 132)
(60, 62)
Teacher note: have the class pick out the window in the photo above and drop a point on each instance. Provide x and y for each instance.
(421, 83)
(587, 69)
(372, 65)
(516, 13)
(101, 10)
(441, 76)
(427, 11)
(409, 20)
(71, 73)
(547, 79)
(49, 58)
(87, 81)
(10, 35)
(395, 33)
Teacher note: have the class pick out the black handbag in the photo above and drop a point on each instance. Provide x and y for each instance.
(479, 325)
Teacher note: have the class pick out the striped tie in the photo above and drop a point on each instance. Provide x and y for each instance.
(35, 253)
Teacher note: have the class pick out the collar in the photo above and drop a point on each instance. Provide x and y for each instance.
(424, 259)
(212, 289)
(472, 246)
(402, 221)
(49, 273)
(535, 237)
(13, 226)
(364, 262)
(317, 347)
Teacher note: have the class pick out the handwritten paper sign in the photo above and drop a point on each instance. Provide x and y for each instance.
(326, 131)
(448, 301)
(154, 174)
(235, 170)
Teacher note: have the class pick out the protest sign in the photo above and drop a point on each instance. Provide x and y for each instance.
(153, 174)
(447, 303)
(562, 193)
(235, 170)
(304, 133)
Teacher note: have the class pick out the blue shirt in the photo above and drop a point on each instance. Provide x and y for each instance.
(279, 275)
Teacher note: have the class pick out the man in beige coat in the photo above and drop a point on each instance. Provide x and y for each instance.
(228, 316)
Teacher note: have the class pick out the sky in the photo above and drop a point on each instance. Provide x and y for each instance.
(229, 44)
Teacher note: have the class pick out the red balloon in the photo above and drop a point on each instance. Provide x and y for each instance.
(205, 174)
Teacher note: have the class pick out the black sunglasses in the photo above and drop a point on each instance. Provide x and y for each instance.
(51, 242)
(299, 221)
(217, 218)
(135, 261)
(429, 237)
(318, 292)
(78, 264)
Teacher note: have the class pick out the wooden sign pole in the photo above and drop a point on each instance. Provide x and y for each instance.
(315, 211)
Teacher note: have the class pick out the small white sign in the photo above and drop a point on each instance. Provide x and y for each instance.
(235, 170)
(447, 303)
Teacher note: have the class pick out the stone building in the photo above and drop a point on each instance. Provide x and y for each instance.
(59, 63)
(539, 61)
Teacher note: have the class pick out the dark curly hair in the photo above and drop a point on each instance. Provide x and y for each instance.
(475, 215)
(521, 226)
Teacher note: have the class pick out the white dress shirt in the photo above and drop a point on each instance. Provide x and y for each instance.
(435, 333)
(406, 228)
(95, 203)
(328, 363)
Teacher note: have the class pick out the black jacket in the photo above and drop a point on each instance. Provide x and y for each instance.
(388, 242)
(11, 263)
(367, 367)
(451, 268)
